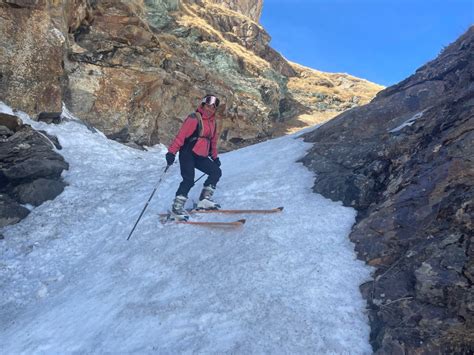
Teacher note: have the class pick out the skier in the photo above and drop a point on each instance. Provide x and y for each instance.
(196, 142)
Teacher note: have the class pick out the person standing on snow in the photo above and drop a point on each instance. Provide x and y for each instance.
(196, 142)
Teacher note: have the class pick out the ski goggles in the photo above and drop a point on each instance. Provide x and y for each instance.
(210, 100)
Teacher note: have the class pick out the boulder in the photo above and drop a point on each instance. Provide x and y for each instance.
(5, 132)
(38, 191)
(13, 123)
(27, 155)
(50, 117)
(30, 172)
(11, 212)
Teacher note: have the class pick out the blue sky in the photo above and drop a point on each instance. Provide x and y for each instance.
(383, 41)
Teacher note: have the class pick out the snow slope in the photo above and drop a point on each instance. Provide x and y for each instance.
(284, 283)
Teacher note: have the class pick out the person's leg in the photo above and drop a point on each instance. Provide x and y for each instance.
(186, 164)
(210, 168)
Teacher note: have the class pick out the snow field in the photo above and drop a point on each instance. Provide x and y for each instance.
(284, 283)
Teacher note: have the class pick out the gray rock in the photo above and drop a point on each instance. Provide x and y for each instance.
(27, 155)
(54, 140)
(5, 131)
(10, 211)
(30, 172)
(24, 3)
(35, 167)
(50, 117)
(38, 191)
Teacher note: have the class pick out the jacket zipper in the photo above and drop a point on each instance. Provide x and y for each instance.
(209, 139)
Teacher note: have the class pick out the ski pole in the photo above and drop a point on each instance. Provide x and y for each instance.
(200, 178)
(146, 205)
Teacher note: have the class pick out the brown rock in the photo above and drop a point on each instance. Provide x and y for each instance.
(141, 67)
(11, 122)
(32, 50)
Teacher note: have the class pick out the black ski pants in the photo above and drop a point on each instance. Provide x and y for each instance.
(188, 161)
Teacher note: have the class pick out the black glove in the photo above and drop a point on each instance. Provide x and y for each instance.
(170, 158)
(217, 161)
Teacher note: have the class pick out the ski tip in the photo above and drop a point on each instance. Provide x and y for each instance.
(241, 221)
(280, 208)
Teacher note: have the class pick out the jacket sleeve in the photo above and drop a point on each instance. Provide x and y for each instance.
(214, 144)
(186, 130)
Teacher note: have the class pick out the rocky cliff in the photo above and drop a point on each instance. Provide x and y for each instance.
(405, 161)
(135, 69)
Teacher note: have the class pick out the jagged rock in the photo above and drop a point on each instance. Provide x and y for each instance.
(248, 33)
(30, 172)
(50, 117)
(122, 136)
(405, 162)
(27, 156)
(5, 132)
(54, 140)
(32, 56)
(141, 67)
(38, 191)
(25, 3)
(250, 8)
(11, 212)
(13, 123)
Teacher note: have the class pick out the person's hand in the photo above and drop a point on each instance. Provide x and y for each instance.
(170, 158)
(217, 161)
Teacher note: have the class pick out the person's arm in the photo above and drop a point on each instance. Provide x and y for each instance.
(186, 130)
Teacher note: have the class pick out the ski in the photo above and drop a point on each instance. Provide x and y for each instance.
(238, 223)
(251, 211)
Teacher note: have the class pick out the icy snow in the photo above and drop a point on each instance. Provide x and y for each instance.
(408, 122)
(283, 283)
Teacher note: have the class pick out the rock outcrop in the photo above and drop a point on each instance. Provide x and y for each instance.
(405, 161)
(30, 169)
(135, 69)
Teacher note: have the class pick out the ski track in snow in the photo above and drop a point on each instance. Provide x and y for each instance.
(283, 284)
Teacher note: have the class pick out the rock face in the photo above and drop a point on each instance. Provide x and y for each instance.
(250, 8)
(405, 161)
(30, 170)
(135, 69)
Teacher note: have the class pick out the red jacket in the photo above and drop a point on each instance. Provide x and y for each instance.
(206, 144)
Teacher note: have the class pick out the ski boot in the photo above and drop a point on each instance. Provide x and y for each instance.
(178, 212)
(205, 200)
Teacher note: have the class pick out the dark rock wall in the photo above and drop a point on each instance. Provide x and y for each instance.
(405, 161)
